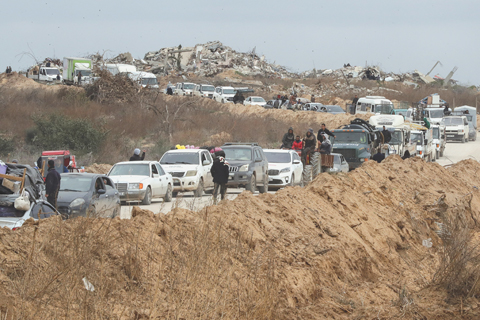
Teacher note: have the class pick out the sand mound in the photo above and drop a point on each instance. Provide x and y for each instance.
(348, 246)
(98, 168)
(18, 81)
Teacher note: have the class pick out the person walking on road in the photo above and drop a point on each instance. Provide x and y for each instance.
(387, 136)
(136, 155)
(220, 172)
(288, 138)
(323, 130)
(52, 184)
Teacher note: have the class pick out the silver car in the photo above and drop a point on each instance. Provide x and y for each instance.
(339, 164)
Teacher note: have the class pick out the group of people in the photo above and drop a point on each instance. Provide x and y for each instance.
(8, 70)
(308, 144)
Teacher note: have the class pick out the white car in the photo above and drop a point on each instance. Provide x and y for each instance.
(14, 219)
(184, 89)
(254, 101)
(224, 94)
(285, 168)
(190, 169)
(141, 181)
(339, 163)
(204, 90)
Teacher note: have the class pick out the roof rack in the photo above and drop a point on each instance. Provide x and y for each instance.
(253, 144)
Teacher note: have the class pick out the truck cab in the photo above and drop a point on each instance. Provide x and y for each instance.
(456, 128)
(434, 115)
(45, 74)
(400, 142)
(184, 89)
(144, 79)
(204, 90)
(224, 94)
(423, 138)
(72, 67)
(357, 142)
(374, 104)
(471, 114)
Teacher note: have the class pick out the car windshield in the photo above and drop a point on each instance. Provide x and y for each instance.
(396, 138)
(53, 71)
(128, 169)
(188, 86)
(149, 81)
(334, 109)
(240, 154)
(181, 158)
(208, 88)
(436, 133)
(258, 100)
(416, 138)
(228, 91)
(436, 113)
(85, 73)
(384, 108)
(349, 137)
(75, 183)
(453, 121)
(278, 157)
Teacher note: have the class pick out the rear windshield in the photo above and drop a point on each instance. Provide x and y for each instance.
(130, 170)
(180, 158)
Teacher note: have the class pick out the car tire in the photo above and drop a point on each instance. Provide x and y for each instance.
(199, 192)
(437, 155)
(441, 153)
(252, 186)
(147, 200)
(169, 194)
(302, 181)
(264, 187)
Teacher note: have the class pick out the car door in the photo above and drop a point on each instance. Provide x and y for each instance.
(298, 167)
(164, 179)
(259, 166)
(99, 201)
(155, 181)
(111, 193)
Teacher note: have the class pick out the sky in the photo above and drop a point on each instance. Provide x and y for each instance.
(398, 36)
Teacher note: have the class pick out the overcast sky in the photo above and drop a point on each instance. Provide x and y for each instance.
(398, 36)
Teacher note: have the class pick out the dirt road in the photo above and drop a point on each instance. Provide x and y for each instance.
(454, 152)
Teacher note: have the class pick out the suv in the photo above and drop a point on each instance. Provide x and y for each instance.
(456, 128)
(190, 169)
(248, 166)
(204, 90)
(184, 89)
(224, 94)
(285, 168)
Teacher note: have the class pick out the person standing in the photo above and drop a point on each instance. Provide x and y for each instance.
(323, 130)
(355, 100)
(79, 78)
(52, 184)
(220, 172)
(387, 136)
(288, 139)
(312, 98)
(309, 145)
(136, 155)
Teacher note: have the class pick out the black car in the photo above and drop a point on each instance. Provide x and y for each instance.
(248, 166)
(88, 195)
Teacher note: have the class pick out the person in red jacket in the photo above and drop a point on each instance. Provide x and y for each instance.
(297, 144)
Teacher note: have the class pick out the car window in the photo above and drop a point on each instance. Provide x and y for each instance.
(45, 209)
(108, 183)
(258, 156)
(154, 169)
(160, 170)
(99, 184)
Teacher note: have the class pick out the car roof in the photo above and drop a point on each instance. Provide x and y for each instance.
(82, 174)
(256, 97)
(136, 162)
(277, 150)
(186, 150)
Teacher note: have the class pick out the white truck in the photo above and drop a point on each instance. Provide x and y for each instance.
(400, 132)
(224, 94)
(471, 114)
(423, 138)
(439, 139)
(456, 128)
(190, 169)
(374, 104)
(184, 89)
(119, 68)
(45, 74)
(204, 90)
(144, 79)
(72, 67)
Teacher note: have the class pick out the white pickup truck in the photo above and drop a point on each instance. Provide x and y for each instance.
(45, 74)
(423, 137)
(224, 94)
(190, 169)
(184, 89)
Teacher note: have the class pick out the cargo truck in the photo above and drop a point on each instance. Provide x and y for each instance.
(73, 66)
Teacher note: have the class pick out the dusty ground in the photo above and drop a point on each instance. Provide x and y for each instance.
(348, 246)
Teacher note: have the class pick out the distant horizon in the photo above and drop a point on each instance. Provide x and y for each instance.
(397, 36)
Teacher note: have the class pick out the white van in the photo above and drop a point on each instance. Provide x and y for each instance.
(116, 68)
(456, 128)
(374, 104)
(400, 131)
(145, 79)
(471, 118)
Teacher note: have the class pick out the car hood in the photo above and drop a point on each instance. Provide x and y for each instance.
(179, 167)
(278, 166)
(65, 197)
(237, 163)
(131, 179)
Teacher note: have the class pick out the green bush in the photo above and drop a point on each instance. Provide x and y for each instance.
(56, 132)
(6, 145)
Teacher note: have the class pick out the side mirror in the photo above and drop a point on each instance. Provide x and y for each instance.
(101, 191)
(258, 160)
(206, 162)
(296, 161)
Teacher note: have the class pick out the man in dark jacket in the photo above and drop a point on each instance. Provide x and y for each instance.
(379, 157)
(52, 184)
(136, 155)
(322, 132)
(220, 173)
(288, 139)
(79, 81)
(309, 145)
(387, 136)
(355, 100)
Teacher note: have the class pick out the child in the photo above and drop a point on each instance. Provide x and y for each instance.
(297, 144)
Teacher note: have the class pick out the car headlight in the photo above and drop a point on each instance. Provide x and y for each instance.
(285, 170)
(191, 173)
(135, 186)
(243, 168)
(77, 203)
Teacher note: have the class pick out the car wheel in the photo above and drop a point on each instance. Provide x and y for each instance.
(199, 191)
(441, 153)
(147, 200)
(292, 180)
(264, 187)
(437, 155)
(252, 186)
(169, 194)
